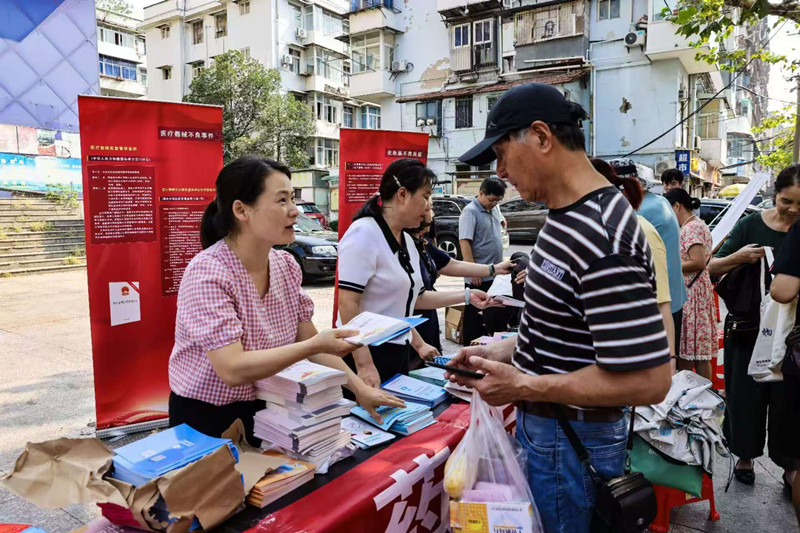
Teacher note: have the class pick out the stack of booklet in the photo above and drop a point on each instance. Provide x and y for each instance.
(153, 456)
(365, 435)
(402, 420)
(283, 480)
(413, 390)
(304, 411)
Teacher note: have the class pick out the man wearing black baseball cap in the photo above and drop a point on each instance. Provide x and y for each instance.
(591, 339)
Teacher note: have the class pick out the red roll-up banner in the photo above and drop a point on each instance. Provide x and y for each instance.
(363, 156)
(148, 173)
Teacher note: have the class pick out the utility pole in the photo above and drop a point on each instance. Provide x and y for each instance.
(796, 152)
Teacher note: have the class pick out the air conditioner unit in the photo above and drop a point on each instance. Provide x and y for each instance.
(286, 60)
(661, 166)
(399, 66)
(697, 141)
(635, 38)
(302, 33)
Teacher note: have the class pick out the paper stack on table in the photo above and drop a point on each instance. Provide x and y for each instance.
(413, 390)
(304, 411)
(281, 481)
(403, 420)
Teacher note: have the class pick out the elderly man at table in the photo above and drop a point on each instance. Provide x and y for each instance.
(591, 338)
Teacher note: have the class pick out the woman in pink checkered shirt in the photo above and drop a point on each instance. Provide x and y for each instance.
(242, 314)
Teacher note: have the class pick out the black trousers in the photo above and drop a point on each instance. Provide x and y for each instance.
(389, 359)
(473, 317)
(757, 410)
(214, 420)
(430, 333)
(677, 319)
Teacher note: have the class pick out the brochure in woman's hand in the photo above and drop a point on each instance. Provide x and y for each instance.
(374, 329)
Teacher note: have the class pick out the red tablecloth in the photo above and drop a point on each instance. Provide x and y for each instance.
(397, 490)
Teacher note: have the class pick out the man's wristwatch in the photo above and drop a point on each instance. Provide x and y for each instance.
(466, 296)
(491, 271)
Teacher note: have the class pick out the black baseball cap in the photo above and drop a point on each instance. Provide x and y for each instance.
(518, 108)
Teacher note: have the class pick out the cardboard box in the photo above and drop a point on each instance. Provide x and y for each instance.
(454, 323)
(64, 472)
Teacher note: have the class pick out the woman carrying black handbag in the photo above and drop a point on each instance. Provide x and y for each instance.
(753, 407)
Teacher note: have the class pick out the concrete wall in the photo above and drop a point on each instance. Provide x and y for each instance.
(643, 105)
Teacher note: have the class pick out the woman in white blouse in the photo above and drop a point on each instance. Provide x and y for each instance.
(379, 270)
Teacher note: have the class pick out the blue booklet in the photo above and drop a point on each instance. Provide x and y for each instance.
(415, 390)
(155, 455)
(394, 418)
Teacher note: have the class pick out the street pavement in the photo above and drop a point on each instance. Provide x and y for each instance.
(46, 392)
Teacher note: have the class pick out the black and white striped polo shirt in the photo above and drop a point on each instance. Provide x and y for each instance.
(590, 292)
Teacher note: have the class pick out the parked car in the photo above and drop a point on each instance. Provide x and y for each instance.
(314, 248)
(711, 211)
(446, 211)
(769, 203)
(311, 210)
(524, 219)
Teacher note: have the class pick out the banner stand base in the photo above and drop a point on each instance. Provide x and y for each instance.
(121, 431)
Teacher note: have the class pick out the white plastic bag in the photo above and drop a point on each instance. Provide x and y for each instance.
(486, 475)
(777, 320)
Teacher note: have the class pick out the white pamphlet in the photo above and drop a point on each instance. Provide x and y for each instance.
(123, 297)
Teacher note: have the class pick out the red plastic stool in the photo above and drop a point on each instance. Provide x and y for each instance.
(668, 498)
(718, 365)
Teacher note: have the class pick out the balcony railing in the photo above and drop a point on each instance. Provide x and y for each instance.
(361, 5)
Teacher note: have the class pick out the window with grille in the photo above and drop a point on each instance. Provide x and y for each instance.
(563, 20)
(429, 111)
(246, 53)
(164, 32)
(464, 112)
(221, 25)
(244, 7)
(197, 32)
(166, 73)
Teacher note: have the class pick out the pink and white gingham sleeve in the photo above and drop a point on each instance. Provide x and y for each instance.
(304, 304)
(206, 304)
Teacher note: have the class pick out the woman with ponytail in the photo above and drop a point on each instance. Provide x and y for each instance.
(379, 270)
(632, 190)
(242, 314)
(699, 339)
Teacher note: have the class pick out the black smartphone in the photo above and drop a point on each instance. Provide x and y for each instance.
(456, 370)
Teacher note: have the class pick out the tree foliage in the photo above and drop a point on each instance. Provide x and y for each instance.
(243, 89)
(283, 132)
(709, 24)
(777, 130)
(120, 7)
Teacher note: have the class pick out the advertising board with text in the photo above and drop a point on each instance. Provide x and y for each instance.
(148, 174)
(363, 156)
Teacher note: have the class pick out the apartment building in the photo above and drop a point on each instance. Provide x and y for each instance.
(122, 55)
(438, 67)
